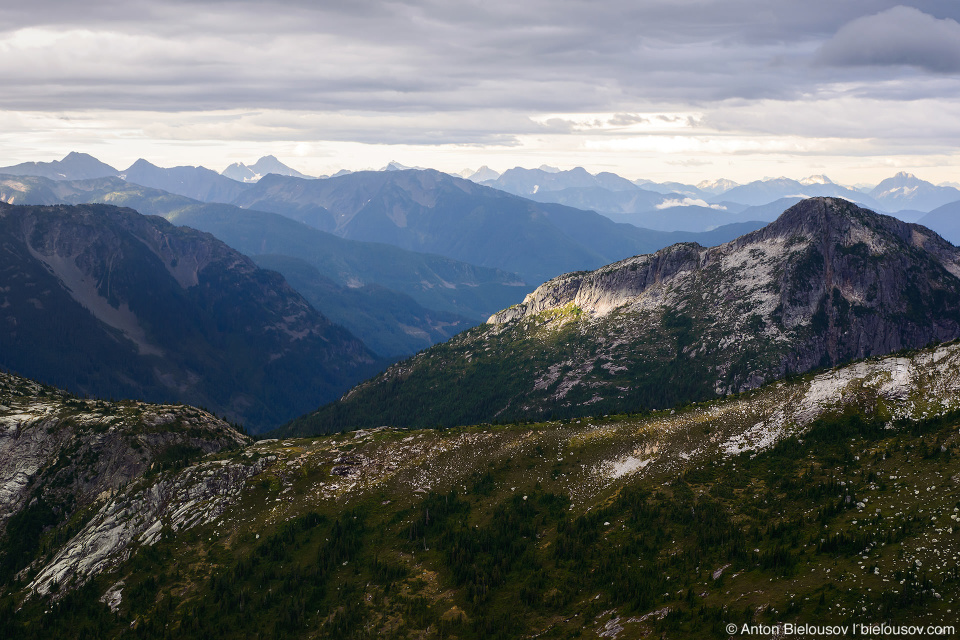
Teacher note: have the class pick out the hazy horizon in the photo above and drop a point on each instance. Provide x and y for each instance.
(692, 181)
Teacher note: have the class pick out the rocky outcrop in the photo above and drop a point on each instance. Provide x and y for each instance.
(196, 496)
(639, 280)
(62, 458)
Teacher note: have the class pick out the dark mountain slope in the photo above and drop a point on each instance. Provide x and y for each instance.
(108, 302)
(438, 284)
(389, 322)
(825, 283)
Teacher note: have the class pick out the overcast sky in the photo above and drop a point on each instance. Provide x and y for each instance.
(671, 89)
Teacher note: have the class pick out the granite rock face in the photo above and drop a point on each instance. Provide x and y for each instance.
(139, 516)
(826, 283)
(58, 445)
(66, 459)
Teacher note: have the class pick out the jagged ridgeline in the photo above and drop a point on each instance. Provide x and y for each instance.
(826, 283)
(107, 302)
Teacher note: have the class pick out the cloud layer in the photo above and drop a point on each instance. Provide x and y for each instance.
(693, 79)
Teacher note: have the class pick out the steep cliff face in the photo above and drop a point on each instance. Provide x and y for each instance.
(115, 304)
(825, 283)
(63, 457)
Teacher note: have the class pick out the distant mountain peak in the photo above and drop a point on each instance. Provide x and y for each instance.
(716, 186)
(907, 191)
(74, 166)
(78, 155)
(482, 174)
(142, 163)
(393, 165)
(265, 165)
(817, 179)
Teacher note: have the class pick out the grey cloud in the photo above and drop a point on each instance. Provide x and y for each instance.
(429, 57)
(626, 119)
(898, 36)
(557, 55)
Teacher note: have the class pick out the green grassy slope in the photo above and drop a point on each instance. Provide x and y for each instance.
(823, 500)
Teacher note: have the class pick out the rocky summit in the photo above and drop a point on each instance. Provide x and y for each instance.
(826, 283)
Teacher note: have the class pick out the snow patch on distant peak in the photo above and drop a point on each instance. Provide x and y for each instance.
(818, 179)
(902, 191)
(717, 186)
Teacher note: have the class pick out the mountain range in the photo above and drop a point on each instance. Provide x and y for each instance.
(763, 191)
(902, 192)
(194, 182)
(429, 212)
(526, 182)
(826, 283)
(663, 439)
(349, 273)
(433, 212)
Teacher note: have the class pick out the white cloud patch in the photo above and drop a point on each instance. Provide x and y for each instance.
(689, 202)
(897, 36)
